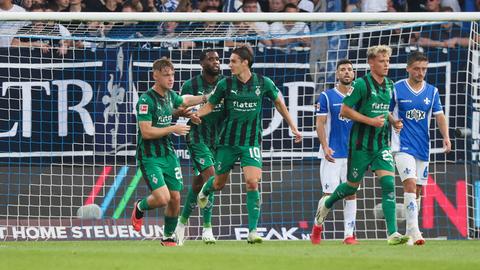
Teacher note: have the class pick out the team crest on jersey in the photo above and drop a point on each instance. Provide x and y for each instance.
(426, 101)
(257, 91)
(143, 109)
(202, 161)
(154, 179)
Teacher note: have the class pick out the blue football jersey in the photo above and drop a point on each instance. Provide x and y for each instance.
(337, 128)
(415, 109)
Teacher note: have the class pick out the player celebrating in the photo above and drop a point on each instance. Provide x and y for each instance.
(242, 95)
(414, 101)
(201, 142)
(155, 154)
(333, 131)
(369, 139)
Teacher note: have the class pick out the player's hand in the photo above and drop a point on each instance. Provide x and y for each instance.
(196, 119)
(329, 154)
(298, 135)
(397, 125)
(447, 145)
(378, 121)
(181, 129)
(183, 112)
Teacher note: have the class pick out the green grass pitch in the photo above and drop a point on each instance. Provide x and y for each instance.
(232, 255)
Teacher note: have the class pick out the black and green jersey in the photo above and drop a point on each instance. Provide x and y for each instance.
(243, 108)
(154, 108)
(208, 131)
(370, 99)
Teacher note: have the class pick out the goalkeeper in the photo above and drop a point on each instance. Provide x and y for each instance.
(369, 139)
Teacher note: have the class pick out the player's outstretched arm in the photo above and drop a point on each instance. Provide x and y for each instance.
(282, 109)
(150, 132)
(442, 125)
(353, 115)
(189, 100)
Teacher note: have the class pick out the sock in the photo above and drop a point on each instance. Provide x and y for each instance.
(141, 207)
(419, 203)
(411, 211)
(207, 212)
(190, 204)
(170, 226)
(253, 207)
(349, 216)
(343, 190)
(208, 187)
(388, 203)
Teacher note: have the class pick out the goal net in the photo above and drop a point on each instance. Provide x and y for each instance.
(68, 123)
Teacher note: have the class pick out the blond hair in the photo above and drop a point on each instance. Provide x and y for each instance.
(162, 63)
(373, 51)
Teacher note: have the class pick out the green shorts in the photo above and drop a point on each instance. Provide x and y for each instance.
(226, 156)
(359, 161)
(202, 156)
(161, 171)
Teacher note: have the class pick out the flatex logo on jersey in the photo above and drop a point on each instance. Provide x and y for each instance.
(164, 120)
(244, 106)
(380, 107)
(416, 115)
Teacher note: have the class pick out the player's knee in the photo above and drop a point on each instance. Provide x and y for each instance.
(251, 184)
(409, 185)
(174, 199)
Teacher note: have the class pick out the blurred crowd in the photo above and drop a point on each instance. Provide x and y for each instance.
(446, 35)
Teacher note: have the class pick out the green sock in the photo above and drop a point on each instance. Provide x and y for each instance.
(253, 208)
(388, 203)
(190, 204)
(208, 188)
(343, 190)
(170, 226)
(143, 205)
(207, 212)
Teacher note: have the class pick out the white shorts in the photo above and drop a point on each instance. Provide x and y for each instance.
(332, 174)
(410, 167)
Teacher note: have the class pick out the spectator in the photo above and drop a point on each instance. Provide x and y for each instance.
(59, 5)
(260, 29)
(303, 5)
(166, 5)
(101, 5)
(184, 6)
(433, 5)
(276, 5)
(47, 29)
(446, 35)
(8, 29)
(27, 4)
(290, 29)
(76, 6)
(374, 6)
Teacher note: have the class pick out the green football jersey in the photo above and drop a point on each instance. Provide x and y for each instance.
(157, 109)
(243, 108)
(208, 131)
(370, 99)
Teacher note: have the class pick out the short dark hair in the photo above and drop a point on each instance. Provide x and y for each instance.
(162, 63)
(343, 62)
(290, 5)
(416, 57)
(245, 53)
(204, 53)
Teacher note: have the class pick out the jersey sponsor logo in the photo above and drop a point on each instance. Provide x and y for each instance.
(245, 106)
(380, 107)
(143, 109)
(166, 119)
(405, 101)
(415, 114)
